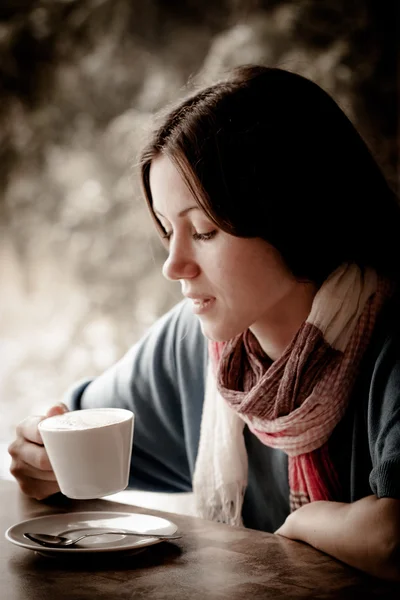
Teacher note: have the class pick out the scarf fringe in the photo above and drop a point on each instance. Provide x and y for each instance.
(223, 505)
(220, 476)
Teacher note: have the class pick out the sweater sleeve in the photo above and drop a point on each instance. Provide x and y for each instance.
(384, 420)
(161, 380)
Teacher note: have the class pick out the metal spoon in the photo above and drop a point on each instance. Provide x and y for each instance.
(60, 541)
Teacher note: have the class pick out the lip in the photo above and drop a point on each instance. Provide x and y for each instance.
(201, 303)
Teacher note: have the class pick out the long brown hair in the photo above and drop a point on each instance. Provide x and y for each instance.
(267, 153)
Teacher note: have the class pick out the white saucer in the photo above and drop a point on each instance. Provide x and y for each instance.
(71, 524)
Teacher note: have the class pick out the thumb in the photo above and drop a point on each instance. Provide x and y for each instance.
(57, 409)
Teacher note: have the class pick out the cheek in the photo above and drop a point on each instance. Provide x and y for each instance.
(245, 270)
(256, 281)
(227, 275)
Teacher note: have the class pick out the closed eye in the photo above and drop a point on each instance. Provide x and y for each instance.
(198, 237)
(203, 237)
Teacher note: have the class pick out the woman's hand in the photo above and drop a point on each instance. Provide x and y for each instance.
(30, 464)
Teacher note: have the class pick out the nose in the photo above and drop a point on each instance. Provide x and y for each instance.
(180, 263)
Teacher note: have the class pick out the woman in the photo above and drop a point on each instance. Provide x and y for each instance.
(284, 235)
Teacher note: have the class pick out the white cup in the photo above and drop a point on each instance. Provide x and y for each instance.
(90, 450)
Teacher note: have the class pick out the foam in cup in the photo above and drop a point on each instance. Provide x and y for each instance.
(85, 419)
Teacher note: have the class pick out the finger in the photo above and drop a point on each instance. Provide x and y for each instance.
(30, 453)
(21, 470)
(58, 409)
(38, 489)
(28, 429)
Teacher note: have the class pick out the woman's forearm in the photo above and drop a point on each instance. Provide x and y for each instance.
(364, 534)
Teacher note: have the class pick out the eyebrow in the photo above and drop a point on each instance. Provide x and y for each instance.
(180, 214)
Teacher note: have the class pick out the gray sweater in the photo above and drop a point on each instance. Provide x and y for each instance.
(162, 379)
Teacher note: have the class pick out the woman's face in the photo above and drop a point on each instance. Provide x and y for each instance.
(233, 283)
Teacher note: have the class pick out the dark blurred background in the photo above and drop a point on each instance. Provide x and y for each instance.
(79, 81)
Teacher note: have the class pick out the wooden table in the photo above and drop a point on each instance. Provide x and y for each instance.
(211, 561)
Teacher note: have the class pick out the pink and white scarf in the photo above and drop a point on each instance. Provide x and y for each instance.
(293, 403)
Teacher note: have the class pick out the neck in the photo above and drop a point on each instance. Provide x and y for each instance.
(277, 328)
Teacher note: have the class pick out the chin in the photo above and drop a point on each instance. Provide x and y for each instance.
(219, 334)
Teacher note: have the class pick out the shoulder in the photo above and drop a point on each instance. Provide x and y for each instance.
(383, 405)
(377, 390)
(381, 367)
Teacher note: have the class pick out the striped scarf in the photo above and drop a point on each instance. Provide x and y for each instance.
(293, 403)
